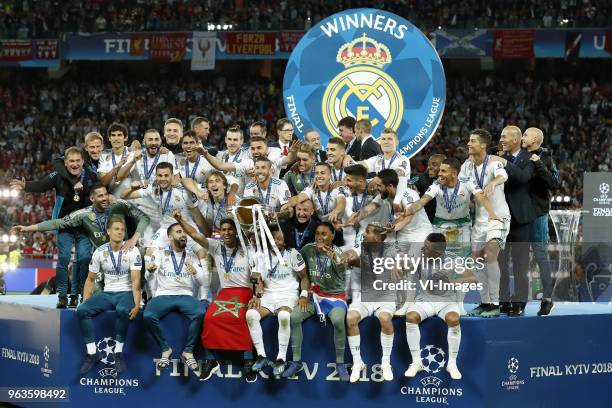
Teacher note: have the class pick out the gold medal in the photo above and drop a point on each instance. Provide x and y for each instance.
(178, 278)
(167, 253)
(104, 237)
(105, 253)
(76, 198)
(226, 276)
(182, 162)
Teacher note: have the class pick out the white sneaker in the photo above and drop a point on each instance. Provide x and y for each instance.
(453, 371)
(387, 372)
(356, 371)
(413, 370)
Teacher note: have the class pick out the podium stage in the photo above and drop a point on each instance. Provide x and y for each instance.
(563, 360)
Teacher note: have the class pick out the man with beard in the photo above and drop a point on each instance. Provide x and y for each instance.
(346, 128)
(235, 153)
(94, 221)
(299, 230)
(425, 179)
(201, 128)
(214, 207)
(225, 326)
(302, 174)
(173, 132)
(279, 289)
(390, 158)
(327, 276)
(167, 198)
(329, 202)
(270, 191)
(67, 200)
(111, 161)
(175, 273)
(121, 270)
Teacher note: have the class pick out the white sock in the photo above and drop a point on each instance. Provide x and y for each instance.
(355, 345)
(118, 347)
(482, 276)
(454, 340)
(386, 342)
(253, 318)
(91, 348)
(493, 281)
(413, 336)
(284, 332)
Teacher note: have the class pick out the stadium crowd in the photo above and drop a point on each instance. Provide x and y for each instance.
(48, 18)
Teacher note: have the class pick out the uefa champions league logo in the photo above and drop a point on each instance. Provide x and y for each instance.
(513, 365)
(604, 188)
(46, 353)
(106, 347)
(603, 199)
(433, 358)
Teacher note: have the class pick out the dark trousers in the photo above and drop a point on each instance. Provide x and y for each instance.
(517, 246)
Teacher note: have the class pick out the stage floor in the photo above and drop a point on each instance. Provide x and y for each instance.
(560, 309)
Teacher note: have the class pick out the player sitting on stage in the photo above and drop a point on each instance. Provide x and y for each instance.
(436, 300)
(121, 292)
(326, 274)
(280, 296)
(175, 274)
(360, 309)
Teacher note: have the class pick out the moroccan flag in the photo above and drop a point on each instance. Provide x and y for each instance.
(225, 326)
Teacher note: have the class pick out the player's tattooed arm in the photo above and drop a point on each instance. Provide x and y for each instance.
(361, 214)
(418, 205)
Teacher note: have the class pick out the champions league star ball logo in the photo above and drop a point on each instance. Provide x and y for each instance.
(432, 359)
(368, 64)
(513, 365)
(604, 188)
(106, 347)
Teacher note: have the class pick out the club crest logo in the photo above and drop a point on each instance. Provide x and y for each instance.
(367, 64)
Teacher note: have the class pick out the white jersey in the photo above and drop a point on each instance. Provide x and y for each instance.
(433, 275)
(168, 201)
(274, 196)
(232, 265)
(117, 277)
(417, 228)
(238, 157)
(214, 212)
(353, 235)
(497, 199)
(144, 169)
(457, 198)
(108, 160)
(284, 278)
(197, 171)
(171, 277)
(396, 162)
(336, 174)
(324, 202)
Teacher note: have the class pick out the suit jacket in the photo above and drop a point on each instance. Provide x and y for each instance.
(369, 149)
(520, 172)
(322, 156)
(355, 150)
(289, 232)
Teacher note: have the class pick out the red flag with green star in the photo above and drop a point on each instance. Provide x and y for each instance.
(225, 326)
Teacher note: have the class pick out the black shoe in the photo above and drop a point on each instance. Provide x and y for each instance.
(90, 361)
(72, 304)
(62, 301)
(517, 310)
(119, 363)
(505, 307)
(209, 367)
(249, 373)
(546, 307)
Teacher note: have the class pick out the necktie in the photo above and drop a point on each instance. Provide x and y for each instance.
(285, 151)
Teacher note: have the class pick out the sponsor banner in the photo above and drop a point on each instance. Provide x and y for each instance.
(596, 44)
(251, 43)
(368, 64)
(510, 44)
(203, 53)
(16, 50)
(289, 40)
(463, 43)
(169, 47)
(46, 49)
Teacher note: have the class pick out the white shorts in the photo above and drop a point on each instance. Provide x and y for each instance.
(366, 309)
(429, 309)
(485, 231)
(275, 300)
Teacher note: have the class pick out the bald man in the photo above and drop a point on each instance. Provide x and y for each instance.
(520, 169)
(544, 181)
